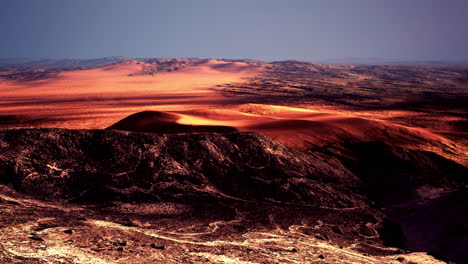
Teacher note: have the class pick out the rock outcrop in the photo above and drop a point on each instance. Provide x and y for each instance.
(98, 166)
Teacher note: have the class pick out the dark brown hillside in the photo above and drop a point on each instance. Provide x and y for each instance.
(135, 186)
(91, 165)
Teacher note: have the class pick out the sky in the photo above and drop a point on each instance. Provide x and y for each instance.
(309, 30)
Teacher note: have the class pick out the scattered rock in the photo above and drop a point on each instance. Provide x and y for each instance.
(45, 225)
(337, 230)
(127, 222)
(293, 249)
(12, 202)
(321, 237)
(157, 247)
(36, 238)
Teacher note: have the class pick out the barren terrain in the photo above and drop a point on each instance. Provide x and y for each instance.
(348, 162)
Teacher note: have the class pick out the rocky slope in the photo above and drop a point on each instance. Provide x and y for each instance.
(103, 196)
(112, 165)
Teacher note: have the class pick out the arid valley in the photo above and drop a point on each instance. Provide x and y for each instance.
(161, 160)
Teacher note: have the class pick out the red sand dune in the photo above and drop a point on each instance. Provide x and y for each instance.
(160, 122)
(188, 101)
(302, 128)
(101, 96)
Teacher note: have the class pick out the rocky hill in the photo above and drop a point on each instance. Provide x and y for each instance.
(96, 165)
(169, 190)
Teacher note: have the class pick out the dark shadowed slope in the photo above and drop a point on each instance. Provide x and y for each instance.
(421, 191)
(394, 174)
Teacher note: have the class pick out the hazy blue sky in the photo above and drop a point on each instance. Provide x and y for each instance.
(260, 29)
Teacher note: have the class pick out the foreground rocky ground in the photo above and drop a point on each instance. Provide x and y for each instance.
(41, 232)
(94, 196)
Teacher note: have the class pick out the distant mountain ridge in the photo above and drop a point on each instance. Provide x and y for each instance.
(391, 62)
(70, 64)
(50, 64)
